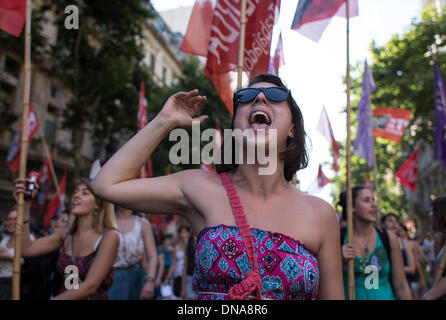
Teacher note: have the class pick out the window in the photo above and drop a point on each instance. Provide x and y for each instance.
(152, 62)
(55, 91)
(51, 124)
(7, 93)
(164, 75)
(12, 67)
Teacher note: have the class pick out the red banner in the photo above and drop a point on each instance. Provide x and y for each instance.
(215, 25)
(390, 123)
(56, 203)
(44, 182)
(12, 16)
(408, 173)
(13, 156)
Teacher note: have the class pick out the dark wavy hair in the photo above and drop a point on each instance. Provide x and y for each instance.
(343, 199)
(296, 153)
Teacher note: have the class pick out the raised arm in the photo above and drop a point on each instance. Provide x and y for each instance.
(116, 180)
(40, 246)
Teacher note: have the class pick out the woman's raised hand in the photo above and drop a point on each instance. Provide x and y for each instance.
(182, 106)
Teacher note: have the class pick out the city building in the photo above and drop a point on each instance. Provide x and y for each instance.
(49, 99)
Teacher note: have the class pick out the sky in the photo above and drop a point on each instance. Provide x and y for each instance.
(314, 71)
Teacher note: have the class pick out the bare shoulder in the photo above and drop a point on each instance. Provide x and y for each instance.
(111, 235)
(320, 208)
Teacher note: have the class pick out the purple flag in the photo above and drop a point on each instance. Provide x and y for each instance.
(363, 145)
(440, 118)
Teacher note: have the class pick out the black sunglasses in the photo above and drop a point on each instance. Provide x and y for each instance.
(274, 94)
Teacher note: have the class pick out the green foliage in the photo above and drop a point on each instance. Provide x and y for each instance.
(404, 79)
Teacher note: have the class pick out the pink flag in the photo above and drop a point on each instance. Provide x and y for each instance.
(408, 173)
(12, 16)
(277, 60)
(318, 184)
(324, 127)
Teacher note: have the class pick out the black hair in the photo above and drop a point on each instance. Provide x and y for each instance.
(343, 199)
(439, 209)
(296, 153)
(388, 215)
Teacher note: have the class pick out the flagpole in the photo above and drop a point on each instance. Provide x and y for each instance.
(241, 45)
(375, 165)
(351, 262)
(23, 157)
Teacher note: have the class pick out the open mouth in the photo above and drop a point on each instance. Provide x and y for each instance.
(259, 119)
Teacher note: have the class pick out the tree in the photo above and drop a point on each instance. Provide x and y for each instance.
(404, 79)
(101, 63)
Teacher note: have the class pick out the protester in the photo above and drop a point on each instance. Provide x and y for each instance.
(165, 270)
(90, 244)
(7, 255)
(294, 236)
(179, 262)
(373, 250)
(391, 222)
(131, 281)
(188, 269)
(438, 218)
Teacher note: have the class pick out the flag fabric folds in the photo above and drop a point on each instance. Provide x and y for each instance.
(277, 60)
(13, 156)
(12, 16)
(440, 118)
(324, 127)
(146, 170)
(390, 123)
(56, 204)
(44, 181)
(313, 16)
(214, 30)
(363, 144)
(319, 183)
(408, 172)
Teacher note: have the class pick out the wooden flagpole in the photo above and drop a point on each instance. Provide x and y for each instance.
(241, 44)
(351, 263)
(23, 157)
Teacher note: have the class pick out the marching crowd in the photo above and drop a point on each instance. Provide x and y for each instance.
(248, 236)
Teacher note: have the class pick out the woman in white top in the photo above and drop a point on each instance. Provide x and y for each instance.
(135, 264)
(178, 262)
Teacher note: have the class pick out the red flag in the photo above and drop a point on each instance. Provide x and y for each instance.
(12, 16)
(214, 30)
(277, 60)
(54, 207)
(13, 156)
(390, 123)
(146, 170)
(44, 182)
(324, 127)
(408, 173)
(367, 182)
(313, 16)
(322, 179)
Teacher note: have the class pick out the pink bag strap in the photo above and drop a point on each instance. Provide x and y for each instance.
(252, 281)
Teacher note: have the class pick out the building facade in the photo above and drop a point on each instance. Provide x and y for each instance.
(49, 99)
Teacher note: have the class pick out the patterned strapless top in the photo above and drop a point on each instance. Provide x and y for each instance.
(289, 271)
